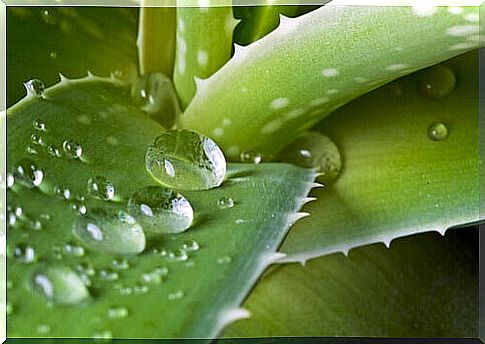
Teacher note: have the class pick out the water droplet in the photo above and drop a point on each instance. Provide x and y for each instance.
(54, 151)
(120, 264)
(437, 131)
(10, 180)
(225, 202)
(109, 275)
(28, 174)
(73, 250)
(140, 289)
(86, 268)
(156, 276)
(161, 210)
(124, 290)
(79, 207)
(24, 253)
(49, 16)
(53, 54)
(72, 149)
(224, 260)
(177, 295)
(177, 254)
(250, 157)
(105, 334)
(110, 231)
(63, 192)
(31, 150)
(43, 328)
(39, 124)
(155, 94)
(194, 161)
(59, 285)
(117, 312)
(34, 88)
(37, 139)
(437, 81)
(190, 245)
(315, 150)
(101, 188)
(9, 308)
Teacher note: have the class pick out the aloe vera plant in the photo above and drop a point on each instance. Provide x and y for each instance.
(97, 177)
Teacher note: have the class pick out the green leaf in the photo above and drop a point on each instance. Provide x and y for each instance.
(204, 44)
(395, 180)
(279, 86)
(156, 39)
(46, 41)
(424, 286)
(197, 296)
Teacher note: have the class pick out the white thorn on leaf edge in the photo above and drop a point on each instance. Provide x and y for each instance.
(317, 185)
(231, 315)
(271, 258)
(298, 216)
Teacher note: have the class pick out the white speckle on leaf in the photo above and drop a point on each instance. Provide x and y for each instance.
(455, 10)
(472, 17)
(329, 72)
(462, 46)
(181, 45)
(180, 25)
(463, 30)
(271, 126)
(218, 132)
(332, 91)
(202, 58)
(279, 103)
(398, 49)
(112, 140)
(397, 66)
(360, 80)
(181, 64)
(84, 119)
(424, 11)
(226, 122)
(318, 101)
(294, 113)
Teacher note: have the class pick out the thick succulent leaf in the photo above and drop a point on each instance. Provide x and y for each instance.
(203, 45)
(395, 180)
(45, 41)
(156, 39)
(424, 286)
(275, 88)
(199, 295)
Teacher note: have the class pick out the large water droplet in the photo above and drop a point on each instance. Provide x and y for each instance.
(186, 160)
(24, 253)
(315, 150)
(72, 149)
(251, 157)
(101, 188)
(110, 231)
(161, 210)
(437, 131)
(34, 87)
(156, 95)
(59, 285)
(437, 81)
(28, 174)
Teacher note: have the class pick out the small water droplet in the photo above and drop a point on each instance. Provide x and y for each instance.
(110, 231)
(31, 150)
(73, 250)
(156, 276)
(79, 207)
(315, 150)
(224, 260)
(104, 334)
(101, 188)
(161, 210)
(54, 151)
(177, 295)
(225, 202)
(43, 328)
(28, 174)
(117, 312)
(437, 82)
(86, 268)
(37, 139)
(72, 149)
(62, 192)
(251, 157)
(10, 180)
(24, 253)
(59, 285)
(195, 161)
(190, 245)
(239, 221)
(109, 275)
(140, 289)
(177, 255)
(155, 95)
(53, 54)
(124, 290)
(34, 88)
(120, 264)
(437, 131)
(49, 16)
(39, 124)
(9, 308)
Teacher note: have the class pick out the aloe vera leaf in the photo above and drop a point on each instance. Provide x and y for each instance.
(203, 45)
(45, 41)
(423, 286)
(395, 180)
(199, 295)
(156, 39)
(281, 85)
